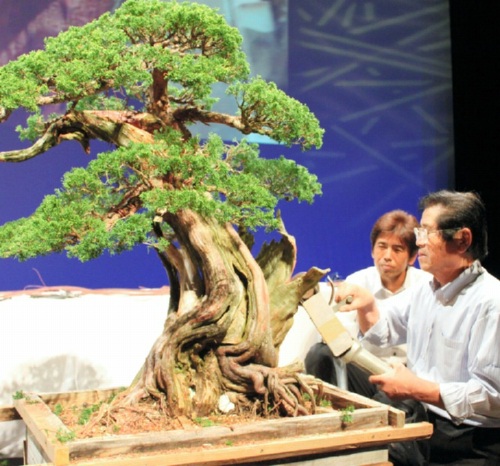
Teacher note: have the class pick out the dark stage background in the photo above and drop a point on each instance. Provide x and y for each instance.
(376, 74)
(476, 101)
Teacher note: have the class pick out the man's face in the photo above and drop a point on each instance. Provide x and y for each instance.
(391, 257)
(434, 254)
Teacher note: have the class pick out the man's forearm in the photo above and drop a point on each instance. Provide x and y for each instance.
(401, 383)
(427, 392)
(368, 317)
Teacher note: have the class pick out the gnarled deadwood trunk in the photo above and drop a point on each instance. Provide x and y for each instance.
(223, 333)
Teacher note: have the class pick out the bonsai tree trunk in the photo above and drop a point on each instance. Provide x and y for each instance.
(220, 339)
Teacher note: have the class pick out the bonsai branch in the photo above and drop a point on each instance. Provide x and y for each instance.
(116, 127)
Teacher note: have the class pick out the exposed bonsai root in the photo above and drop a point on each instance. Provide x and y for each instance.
(284, 392)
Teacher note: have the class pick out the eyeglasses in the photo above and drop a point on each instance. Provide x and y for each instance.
(422, 234)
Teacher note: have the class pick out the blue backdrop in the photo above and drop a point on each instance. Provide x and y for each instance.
(376, 74)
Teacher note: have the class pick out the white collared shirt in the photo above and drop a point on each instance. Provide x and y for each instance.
(369, 278)
(453, 339)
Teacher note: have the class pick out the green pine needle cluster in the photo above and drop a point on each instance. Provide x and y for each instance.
(112, 64)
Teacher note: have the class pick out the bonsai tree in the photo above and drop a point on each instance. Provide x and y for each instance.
(139, 79)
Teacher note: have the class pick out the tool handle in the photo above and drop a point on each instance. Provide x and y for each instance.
(362, 358)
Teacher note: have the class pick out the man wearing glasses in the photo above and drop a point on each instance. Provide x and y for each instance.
(452, 330)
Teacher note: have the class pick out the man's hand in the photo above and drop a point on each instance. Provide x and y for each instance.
(401, 383)
(363, 301)
(361, 297)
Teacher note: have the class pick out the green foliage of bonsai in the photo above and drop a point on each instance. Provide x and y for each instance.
(139, 79)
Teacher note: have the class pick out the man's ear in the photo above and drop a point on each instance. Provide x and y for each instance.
(463, 239)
